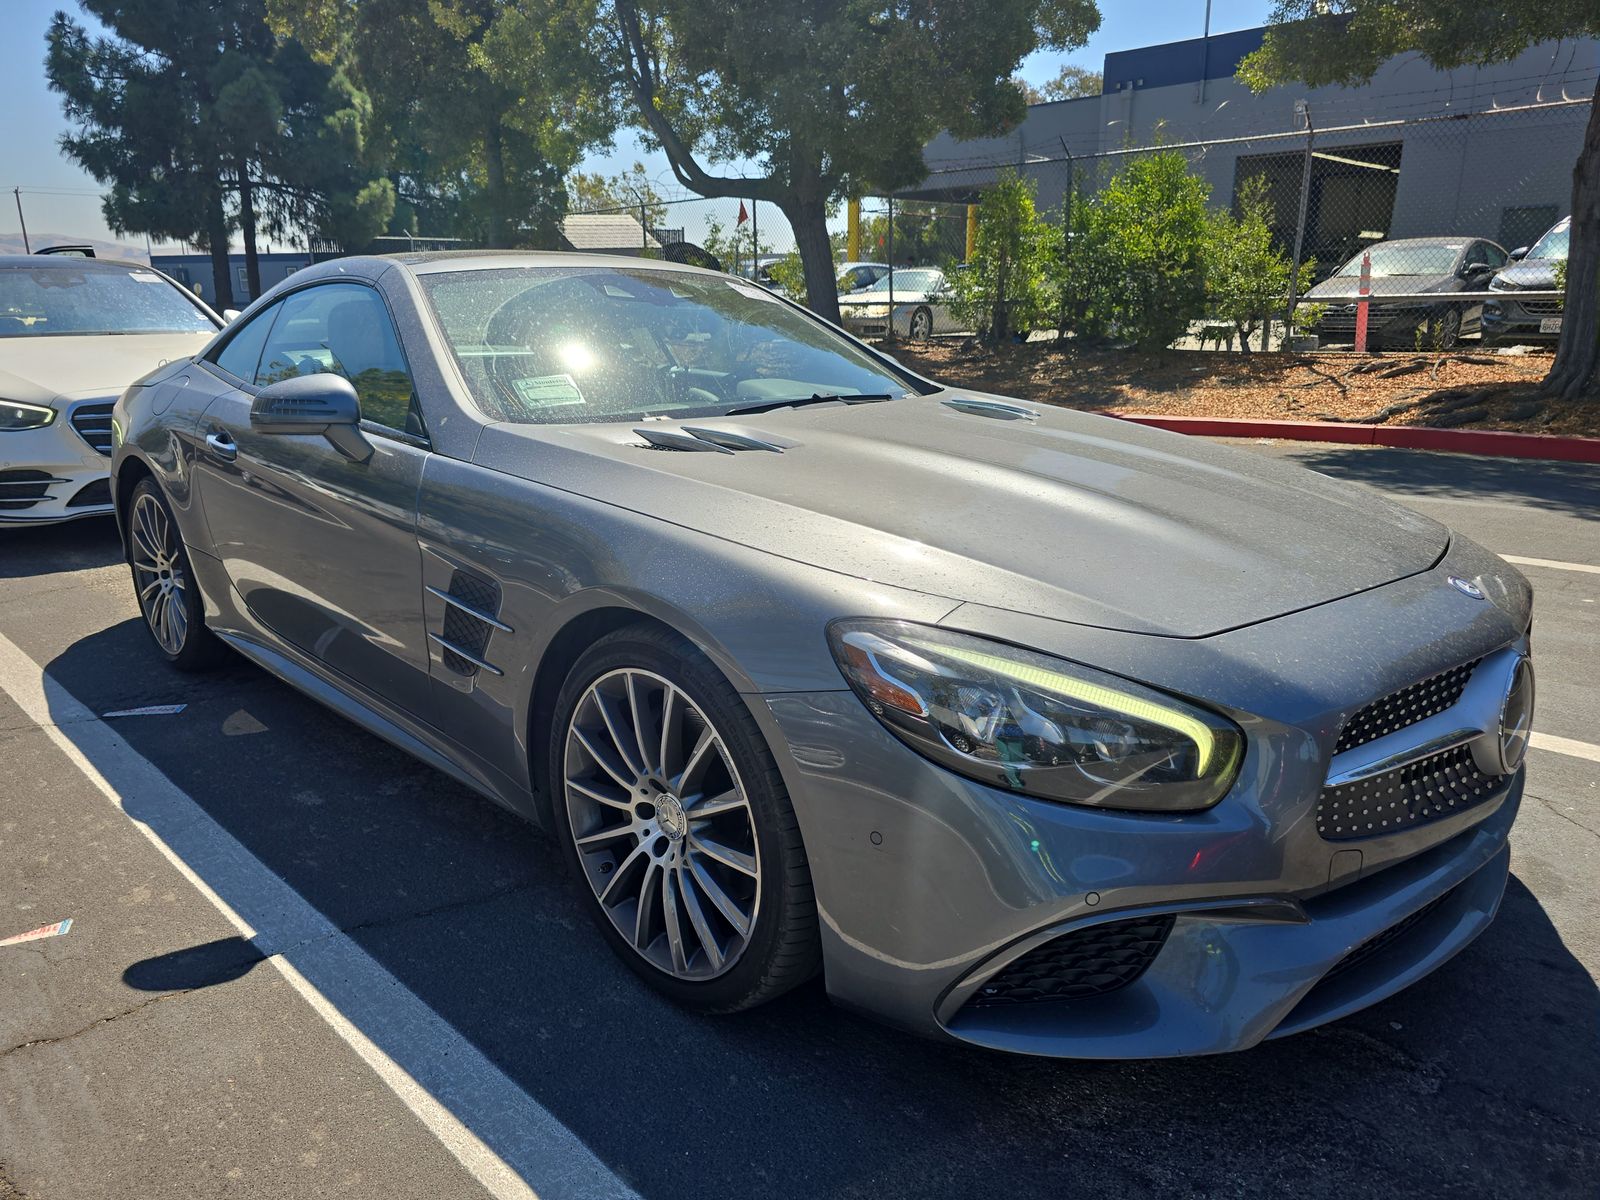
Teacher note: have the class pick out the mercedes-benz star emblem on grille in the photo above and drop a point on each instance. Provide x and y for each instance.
(1466, 587)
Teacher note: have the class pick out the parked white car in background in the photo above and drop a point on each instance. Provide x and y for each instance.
(74, 333)
(921, 300)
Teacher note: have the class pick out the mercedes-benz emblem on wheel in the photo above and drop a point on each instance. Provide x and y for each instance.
(1466, 587)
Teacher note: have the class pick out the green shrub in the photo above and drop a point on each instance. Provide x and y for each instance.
(1002, 289)
(1246, 275)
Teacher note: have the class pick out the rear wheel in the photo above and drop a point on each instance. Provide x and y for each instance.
(677, 824)
(1443, 330)
(921, 323)
(164, 583)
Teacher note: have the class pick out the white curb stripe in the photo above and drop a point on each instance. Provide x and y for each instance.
(507, 1141)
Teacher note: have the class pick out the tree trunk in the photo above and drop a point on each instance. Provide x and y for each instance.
(1576, 370)
(247, 226)
(217, 245)
(809, 220)
(494, 169)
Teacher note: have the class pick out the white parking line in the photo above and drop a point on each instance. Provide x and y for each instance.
(1561, 745)
(501, 1135)
(1552, 563)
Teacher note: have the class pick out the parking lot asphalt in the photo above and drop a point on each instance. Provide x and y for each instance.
(421, 1003)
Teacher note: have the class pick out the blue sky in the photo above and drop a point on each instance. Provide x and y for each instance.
(60, 199)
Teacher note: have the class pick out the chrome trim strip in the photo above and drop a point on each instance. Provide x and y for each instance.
(731, 440)
(471, 658)
(1404, 757)
(456, 602)
(991, 408)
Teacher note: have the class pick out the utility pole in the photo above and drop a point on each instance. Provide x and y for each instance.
(26, 247)
(1205, 53)
(1300, 224)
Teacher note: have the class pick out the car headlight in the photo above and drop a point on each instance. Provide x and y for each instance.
(1500, 285)
(15, 415)
(1031, 723)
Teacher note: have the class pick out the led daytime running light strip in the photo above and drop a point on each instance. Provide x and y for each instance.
(1205, 741)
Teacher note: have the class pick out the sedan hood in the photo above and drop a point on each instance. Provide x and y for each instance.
(1344, 287)
(1077, 517)
(38, 369)
(1531, 273)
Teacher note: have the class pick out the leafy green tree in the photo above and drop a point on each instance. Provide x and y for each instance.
(789, 273)
(824, 97)
(1246, 273)
(201, 121)
(630, 191)
(484, 106)
(1002, 290)
(1140, 247)
(1069, 83)
(1345, 41)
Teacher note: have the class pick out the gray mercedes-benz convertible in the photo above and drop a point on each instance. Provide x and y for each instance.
(1025, 727)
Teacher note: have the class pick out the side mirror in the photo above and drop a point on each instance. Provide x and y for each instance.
(1520, 253)
(321, 403)
(230, 315)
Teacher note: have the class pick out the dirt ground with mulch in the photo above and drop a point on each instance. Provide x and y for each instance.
(1467, 388)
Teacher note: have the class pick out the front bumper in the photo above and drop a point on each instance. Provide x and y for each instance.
(1507, 318)
(930, 885)
(54, 474)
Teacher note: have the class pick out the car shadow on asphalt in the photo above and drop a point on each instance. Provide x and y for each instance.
(1479, 1080)
(28, 552)
(1572, 489)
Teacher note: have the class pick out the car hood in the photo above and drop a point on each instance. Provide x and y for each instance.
(1078, 517)
(1532, 273)
(38, 369)
(1344, 287)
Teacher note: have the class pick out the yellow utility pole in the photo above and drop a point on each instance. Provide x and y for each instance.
(972, 231)
(853, 239)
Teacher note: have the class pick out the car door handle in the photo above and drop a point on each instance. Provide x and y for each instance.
(222, 445)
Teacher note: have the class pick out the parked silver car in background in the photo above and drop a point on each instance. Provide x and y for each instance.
(1027, 728)
(74, 332)
(918, 296)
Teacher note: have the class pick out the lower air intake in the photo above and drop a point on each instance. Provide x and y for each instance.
(1078, 965)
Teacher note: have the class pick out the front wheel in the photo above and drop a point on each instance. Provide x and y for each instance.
(921, 323)
(164, 583)
(1443, 329)
(677, 823)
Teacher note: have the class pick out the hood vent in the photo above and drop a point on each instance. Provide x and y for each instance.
(696, 437)
(991, 408)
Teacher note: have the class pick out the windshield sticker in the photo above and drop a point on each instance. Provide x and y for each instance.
(144, 276)
(754, 293)
(547, 391)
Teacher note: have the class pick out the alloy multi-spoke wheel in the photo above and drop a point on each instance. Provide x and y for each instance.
(159, 574)
(662, 824)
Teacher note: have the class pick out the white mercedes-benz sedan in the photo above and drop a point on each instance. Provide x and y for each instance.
(74, 333)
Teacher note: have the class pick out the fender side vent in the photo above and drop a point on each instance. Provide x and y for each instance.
(471, 617)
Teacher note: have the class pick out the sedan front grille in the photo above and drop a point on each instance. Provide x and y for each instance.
(1415, 794)
(1543, 308)
(93, 423)
(1409, 705)
(1087, 962)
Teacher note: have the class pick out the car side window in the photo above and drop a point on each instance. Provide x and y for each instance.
(1495, 256)
(344, 329)
(242, 351)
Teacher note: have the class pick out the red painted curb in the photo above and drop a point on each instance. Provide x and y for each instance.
(1487, 442)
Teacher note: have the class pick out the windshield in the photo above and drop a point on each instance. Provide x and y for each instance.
(544, 345)
(1553, 245)
(56, 301)
(1408, 258)
(910, 281)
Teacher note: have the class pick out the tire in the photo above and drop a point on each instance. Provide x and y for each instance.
(920, 327)
(639, 855)
(164, 583)
(1443, 329)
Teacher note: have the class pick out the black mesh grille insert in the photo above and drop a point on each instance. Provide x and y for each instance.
(1405, 707)
(93, 423)
(1385, 939)
(98, 492)
(1414, 795)
(462, 628)
(1087, 962)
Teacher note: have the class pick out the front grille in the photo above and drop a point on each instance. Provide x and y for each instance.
(98, 492)
(1087, 962)
(24, 488)
(1406, 707)
(1542, 308)
(1385, 939)
(1414, 795)
(93, 423)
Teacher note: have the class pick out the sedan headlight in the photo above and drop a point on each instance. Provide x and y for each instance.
(1031, 723)
(15, 415)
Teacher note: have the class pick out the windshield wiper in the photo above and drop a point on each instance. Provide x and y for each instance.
(814, 398)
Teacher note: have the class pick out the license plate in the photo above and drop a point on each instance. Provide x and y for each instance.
(1550, 325)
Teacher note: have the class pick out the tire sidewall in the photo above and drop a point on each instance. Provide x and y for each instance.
(693, 674)
(196, 651)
